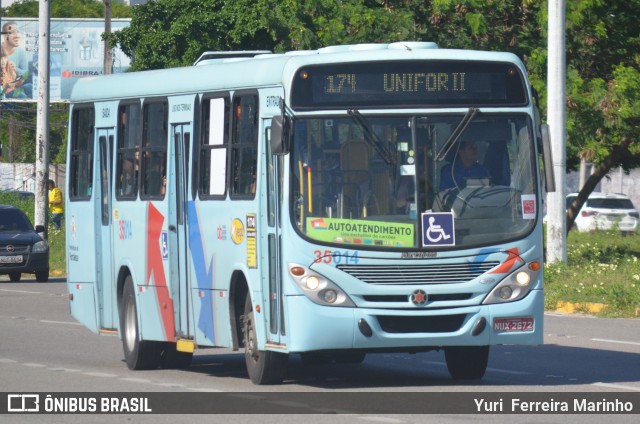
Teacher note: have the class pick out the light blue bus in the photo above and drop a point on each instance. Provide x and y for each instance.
(317, 203)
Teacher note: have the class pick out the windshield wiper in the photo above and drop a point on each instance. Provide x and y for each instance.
(455, 135)
(371, 137)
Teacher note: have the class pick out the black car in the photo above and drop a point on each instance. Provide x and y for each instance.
(22, 249)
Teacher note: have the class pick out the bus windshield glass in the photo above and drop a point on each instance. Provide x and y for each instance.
(381, 182)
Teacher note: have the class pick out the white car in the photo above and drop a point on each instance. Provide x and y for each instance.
(605, 212)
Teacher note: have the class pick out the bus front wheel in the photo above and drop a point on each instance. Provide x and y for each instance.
(138, 354)
(467, 362)
(263, 366)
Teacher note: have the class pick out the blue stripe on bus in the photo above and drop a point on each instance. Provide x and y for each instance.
(204, 274)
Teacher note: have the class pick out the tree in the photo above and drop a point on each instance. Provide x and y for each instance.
(170, 33)
(18, 120)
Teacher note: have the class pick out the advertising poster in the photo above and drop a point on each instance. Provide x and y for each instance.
(76, 51)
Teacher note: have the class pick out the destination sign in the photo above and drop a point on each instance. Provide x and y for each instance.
(409, 84)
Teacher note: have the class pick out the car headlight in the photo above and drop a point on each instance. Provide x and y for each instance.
(318, 288)
(516, 285)
(41, 246)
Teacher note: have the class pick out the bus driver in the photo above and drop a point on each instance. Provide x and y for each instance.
(463, 167)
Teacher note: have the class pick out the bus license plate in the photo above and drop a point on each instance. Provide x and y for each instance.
(508, 325)
(11, 259)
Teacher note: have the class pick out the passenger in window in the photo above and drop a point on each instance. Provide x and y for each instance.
(129, 177)
(465, 166)
(155, 176)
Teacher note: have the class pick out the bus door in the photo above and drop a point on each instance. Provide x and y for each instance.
(274, 169)
(177, 192)
(104, 242)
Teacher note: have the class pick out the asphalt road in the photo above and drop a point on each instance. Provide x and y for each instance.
(42, 349)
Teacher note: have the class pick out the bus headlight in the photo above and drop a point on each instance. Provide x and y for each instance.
(318, 288)
(515, 286)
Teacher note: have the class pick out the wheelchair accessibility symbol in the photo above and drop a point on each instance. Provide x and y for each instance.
(438, 229)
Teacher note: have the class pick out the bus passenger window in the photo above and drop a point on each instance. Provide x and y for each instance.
(155, 125)
(128, 158)
(81, 153)
(244, 145)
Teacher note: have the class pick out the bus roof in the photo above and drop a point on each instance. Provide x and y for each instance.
(234, 72)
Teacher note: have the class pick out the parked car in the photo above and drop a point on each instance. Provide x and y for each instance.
(22, 249)
(604, 211)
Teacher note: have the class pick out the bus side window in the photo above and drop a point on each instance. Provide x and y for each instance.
(213, 146)
(154, 149)
(244, 145)
(128, 157)
(81, 153)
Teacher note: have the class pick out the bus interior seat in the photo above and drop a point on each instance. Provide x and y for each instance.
(496, 160)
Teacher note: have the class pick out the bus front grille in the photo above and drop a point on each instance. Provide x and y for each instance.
(425, 324)
(408, 274)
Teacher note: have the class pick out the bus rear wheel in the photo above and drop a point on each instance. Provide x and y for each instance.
(467, 362)
(263, 366)
(138, 354)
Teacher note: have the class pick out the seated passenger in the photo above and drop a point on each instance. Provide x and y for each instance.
(464, 166)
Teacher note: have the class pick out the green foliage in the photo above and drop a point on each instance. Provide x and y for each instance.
(22, 117)
(67, 9)
(601, 268)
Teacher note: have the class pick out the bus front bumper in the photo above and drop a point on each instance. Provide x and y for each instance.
(318, 327)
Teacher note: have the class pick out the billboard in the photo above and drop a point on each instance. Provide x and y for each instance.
(76, 51)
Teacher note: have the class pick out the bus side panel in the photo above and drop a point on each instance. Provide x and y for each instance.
(210, 306)
(151, 314)
(156, 307)
(81, 263)
(83, 304)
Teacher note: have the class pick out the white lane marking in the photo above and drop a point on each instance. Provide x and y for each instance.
(20, 291)
(46, 321)
(99, 374)
(136, 380)
(34, 365)
(617, 386)
(509, 371)
(616, 341)
(7, 361)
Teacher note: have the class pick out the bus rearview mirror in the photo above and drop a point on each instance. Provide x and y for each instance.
(280, 135)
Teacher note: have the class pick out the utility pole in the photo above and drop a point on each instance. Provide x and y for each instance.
(42, 126)
(108, 59)
(2, 33)
(556, 118)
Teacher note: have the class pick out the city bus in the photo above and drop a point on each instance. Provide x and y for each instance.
(295, 204)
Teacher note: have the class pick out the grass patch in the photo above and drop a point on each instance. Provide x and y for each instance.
(601, 267)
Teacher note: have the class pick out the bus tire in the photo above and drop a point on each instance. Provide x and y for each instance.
(138, 354)
(263, 366)
(173, 359)
(467, 362)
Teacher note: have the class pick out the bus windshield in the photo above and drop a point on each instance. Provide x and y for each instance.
(370, 180)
